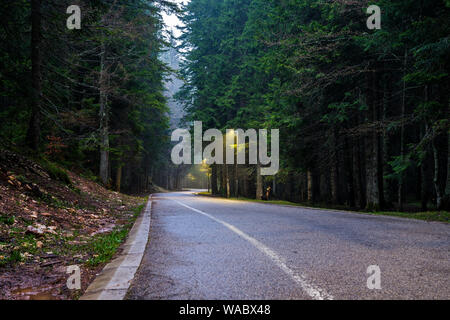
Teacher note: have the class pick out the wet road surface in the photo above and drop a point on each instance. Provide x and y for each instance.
(207, 248)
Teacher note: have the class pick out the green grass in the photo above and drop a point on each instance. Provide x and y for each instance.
(8, 220)
(22, 243)
(204, 193)
(105, 246)
(15, 257)
(102, 248)
(137, 211)
(12, 259)
(442, 216)
(278, 202)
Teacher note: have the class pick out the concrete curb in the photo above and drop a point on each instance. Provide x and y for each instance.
(115, 279)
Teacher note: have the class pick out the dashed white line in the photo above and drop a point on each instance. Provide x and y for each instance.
(313, 291)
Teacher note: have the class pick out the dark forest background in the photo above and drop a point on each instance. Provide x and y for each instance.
(363, 114)
(89, 99)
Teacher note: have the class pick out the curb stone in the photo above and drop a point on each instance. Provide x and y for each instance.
(115, 279)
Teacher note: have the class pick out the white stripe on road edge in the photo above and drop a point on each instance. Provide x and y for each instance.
(313, 291)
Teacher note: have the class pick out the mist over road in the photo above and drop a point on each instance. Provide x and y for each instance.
(210, 248)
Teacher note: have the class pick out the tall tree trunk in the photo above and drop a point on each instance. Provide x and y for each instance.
(440, 153)
(424, 186)
(387, 96)
(425, 177)
(259, 182)
(34, 129)
(177, 179)
(447, 188)
(424, 196)
(236, 179)
(324, 187)
(167, 180)
(119, 177)
(359, 165)
(402, 138)
(214, 189)
(245, 185)
(440, 146)
(372, 148)
(223, 180)
(288, 187)
(208, 177)
(334, 180)
(303, 184)
(446, 143)
(227, 181)
(274, 186)
(348, 163)
(380, 114)
(358, 174)
(437, 188)
(310, 186)
(104, 120)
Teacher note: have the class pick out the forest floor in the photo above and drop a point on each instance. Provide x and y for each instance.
(50, 219)
(440, 216)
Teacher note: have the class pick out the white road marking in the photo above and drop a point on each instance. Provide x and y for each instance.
(313, 291)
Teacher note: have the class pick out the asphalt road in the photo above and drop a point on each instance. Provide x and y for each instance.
(207, 248)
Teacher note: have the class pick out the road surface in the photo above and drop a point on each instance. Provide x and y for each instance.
(208, 248)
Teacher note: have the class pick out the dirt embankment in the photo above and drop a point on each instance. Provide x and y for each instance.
(50, 219)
